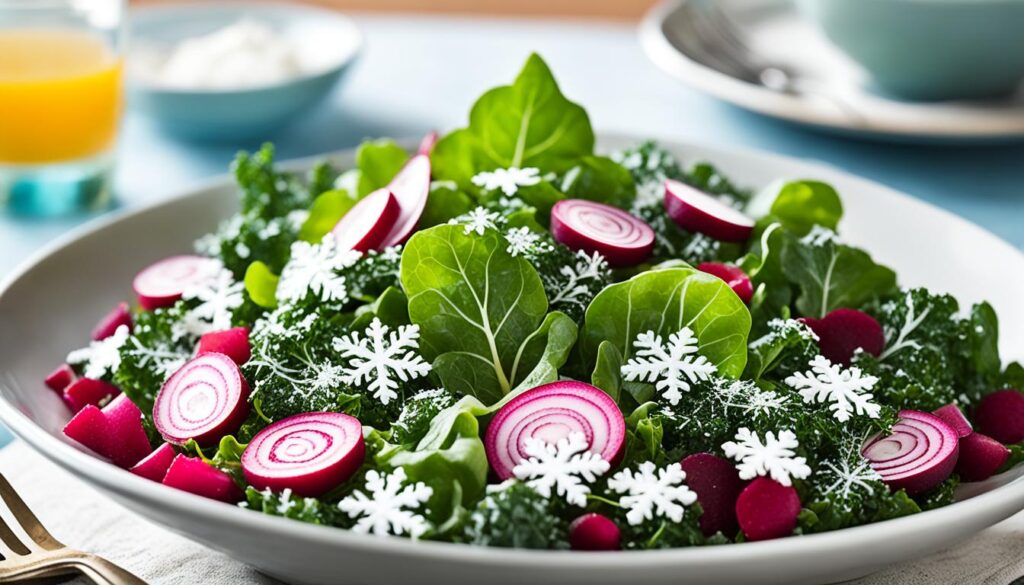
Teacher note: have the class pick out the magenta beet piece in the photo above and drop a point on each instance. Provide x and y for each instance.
(155, 465)
(204, 400)
(119, 315)
(193, 475)
(918, 455)
(366, 225)
(766, 509)
(162, 284)
(737, 280)
(89, 428)
(127, 443)
(696, 211)
(411, 186)
(954, 417)
(233, 343)
(85, 391)
(717, 485)
(594, 532)
(1000, 415)
(623, 239)
(549, 413)
(980, 457)
(427, 144)
(843, 331)
(60, 379)
(310, 454)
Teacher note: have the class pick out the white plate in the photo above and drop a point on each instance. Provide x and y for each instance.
(836, 99)
(49, 305)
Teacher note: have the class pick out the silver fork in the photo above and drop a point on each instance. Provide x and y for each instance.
(42, 555)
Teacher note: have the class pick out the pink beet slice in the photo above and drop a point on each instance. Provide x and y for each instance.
(696, 211)
(162, 284)
(85, 391)
(918, 455)
(623, 239)
(204, 400)
(119, 315)
(233, 343)
(427, 144)
(310, 454)
(127, 443)
(843, 331)
(737, 280)
(717, 485)
(411, 186)
(60, 379)
(980, 457)
(89, 428)
(594, 532)
(155, 465)
(366, 225)
(1000, 415)
(955, 418)
(766, 509)
(193, 475)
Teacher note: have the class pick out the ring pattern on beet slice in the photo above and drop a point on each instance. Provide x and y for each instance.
(204, 400)
(624, 240)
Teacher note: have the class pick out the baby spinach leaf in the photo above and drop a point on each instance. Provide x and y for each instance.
(665, 301)
(325, 213)
(544, 352)
(799, 205)
(607, 374)
(379, 161)
(600, 179)
(261, 285)
(446, 201)
(983, 334)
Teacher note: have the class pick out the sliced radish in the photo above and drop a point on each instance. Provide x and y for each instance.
(204, 400)
(86, 391)
(366, 225)
(127, 442)
(1000, 415)
(624, 240)
(767, 509)
(594, 532)
(193, 475)
(162, 284)
(918, 455)
(411, 186)
(233, 343)
(89, 427)
(155, 465)
(717, 485)
(955, 418)
(980, 457)
(310, 454)
(549, 413)
(843, 331)
(696, 211)
(427, 144)
(119, 315)
(60, 379)
(737, 280)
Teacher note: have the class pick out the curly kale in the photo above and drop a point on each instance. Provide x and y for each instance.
(285, 503)
(417, 413)
(154, 351)
(513, 515)
(787, 347)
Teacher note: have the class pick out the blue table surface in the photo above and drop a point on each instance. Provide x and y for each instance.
(423, 73)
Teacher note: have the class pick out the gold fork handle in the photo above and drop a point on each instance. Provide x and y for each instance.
(104, 572)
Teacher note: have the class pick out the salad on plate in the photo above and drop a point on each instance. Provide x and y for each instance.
(508, 339)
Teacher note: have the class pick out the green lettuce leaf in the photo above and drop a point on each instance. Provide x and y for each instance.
(325, 213)
(261, 285)
(378, 161)
(799, 205)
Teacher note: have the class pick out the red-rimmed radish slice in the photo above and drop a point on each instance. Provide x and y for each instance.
(162, 284)
(1000, 415)
(119, 315)
(427, 144)
(623, 239)
(310, 454)
(195, 476)
(411, 186)
(155, 465)
(766, 509)
(549, 413)
(233, 343)
(955, 418)
(204, 400)
(980, 457)
(59, 379)
(717, 484)
(89, 428)
(734, 276)
(843, 331)
(85, 391)
(918, 455)
(696, 211)
(594, 532)
(127, 441)
(366, 225)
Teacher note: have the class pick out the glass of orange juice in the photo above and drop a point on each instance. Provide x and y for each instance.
(60, 103)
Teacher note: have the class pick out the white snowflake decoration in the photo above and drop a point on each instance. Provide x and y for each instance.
(573, 287)
(382, 358)
(653, 492)
(849, 478)
(563, 467)
(672, 368)
(775, 457)
(314, 267)
(522, 241)
(390, 506)
(478, 220)
(745, 396)
(101, 356)
(508, 180)
(846, 390)
(218, 298)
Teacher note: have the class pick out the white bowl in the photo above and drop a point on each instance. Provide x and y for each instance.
(48, 306)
